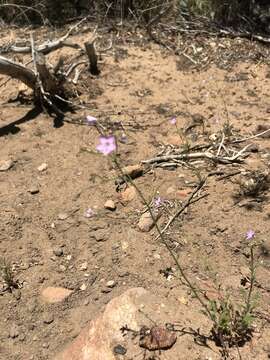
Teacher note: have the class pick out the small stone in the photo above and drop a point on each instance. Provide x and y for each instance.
(183, 300)
(14, 331)
(133, 171)
(119, 350)
(110, 205)
(111, 283)
(6, 164)
(48, 319)
(42, 167)
(127, 195)
(33, 189)
(106, 290)
(100, 235)
(146, 222)
(55, 294)
(62, 216)
(159, 338)
(83, 266)
(58, 251)
(83, 287)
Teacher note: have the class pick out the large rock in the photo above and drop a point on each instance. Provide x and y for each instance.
(102, 335)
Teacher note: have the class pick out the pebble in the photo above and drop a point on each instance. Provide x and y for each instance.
(133, 171)
(110, 205)
(100, 235)
(6, 165)
(127, 195)
(83, 287)
(33, 189)
(111, 283)
(119, 350)
(63, 216)
(42, 167)
(58, 251)
(146, 222)
(106, 290)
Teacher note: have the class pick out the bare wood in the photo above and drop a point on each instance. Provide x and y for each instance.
(92, 56)
(48, 81)
(45, 48)
(17, 71)
(48, 46)
(199, 155)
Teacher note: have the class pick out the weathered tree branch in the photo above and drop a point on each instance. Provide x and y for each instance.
(92, 56)
(17, 71)
(47, 79)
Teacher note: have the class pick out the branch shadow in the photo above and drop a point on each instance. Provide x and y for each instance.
(13, 128)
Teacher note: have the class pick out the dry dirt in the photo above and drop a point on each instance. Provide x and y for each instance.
(46, 236)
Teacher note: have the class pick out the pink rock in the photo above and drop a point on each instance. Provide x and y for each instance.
(98, 339)
(55, 294)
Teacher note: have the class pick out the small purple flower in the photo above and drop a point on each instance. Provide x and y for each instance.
(173, 121)
(89, 213)
(107, 144)
(91, 120)
(158, 202)
(250, 234)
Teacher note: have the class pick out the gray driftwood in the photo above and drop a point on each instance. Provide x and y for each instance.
(17, 71)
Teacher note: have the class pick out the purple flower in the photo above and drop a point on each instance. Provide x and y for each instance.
(250, 234)
(91, 120)
(107, 144)
(89, 213)
(158, 202)
(173, 121)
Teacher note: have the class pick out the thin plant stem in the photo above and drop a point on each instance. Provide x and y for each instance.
(190, 285)
(252, 279)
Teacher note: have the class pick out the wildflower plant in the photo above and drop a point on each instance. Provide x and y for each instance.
(232, 323)
(231, 326)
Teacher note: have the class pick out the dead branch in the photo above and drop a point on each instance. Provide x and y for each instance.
(92, 56)
(48, 46)
(47, 79)
(199, 155)
(45, 48)
(17, 71)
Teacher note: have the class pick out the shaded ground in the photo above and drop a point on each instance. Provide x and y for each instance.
(142, 86)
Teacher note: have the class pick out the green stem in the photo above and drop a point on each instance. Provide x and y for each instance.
(189, 284)
(252, 280)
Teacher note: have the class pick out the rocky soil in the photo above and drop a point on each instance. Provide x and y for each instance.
(74, 240)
